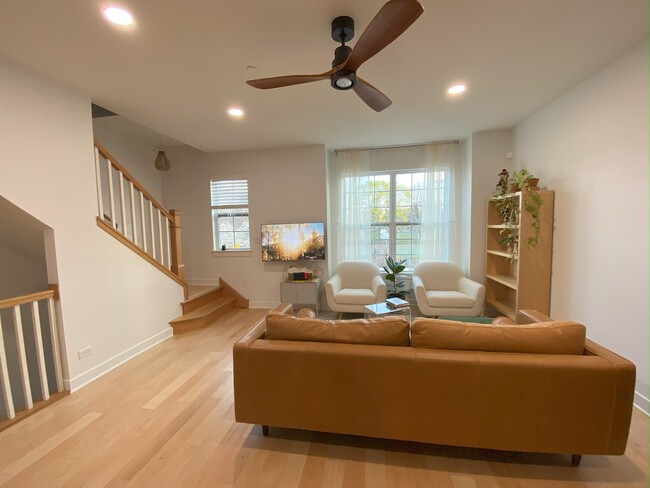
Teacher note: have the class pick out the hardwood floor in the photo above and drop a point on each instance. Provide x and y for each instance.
(165, 419)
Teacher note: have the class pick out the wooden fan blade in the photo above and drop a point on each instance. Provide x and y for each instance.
(280, 81)
(390, 22)
(375, 99)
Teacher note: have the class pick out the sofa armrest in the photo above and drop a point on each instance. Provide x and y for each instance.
(379, 288)
(334, 284)
(258, 330)
(531, 317)
(470, 288)
(419, 289)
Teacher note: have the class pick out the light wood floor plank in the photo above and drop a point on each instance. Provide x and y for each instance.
(166, 419)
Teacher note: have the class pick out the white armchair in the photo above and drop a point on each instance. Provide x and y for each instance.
(443, 289)
(353, 286)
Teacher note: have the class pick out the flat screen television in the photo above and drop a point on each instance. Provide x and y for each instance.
(303, 241)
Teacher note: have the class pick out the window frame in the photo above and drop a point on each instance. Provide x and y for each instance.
(392, 223)
(216, 247)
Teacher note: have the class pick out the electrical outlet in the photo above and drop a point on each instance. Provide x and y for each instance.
(84, 353)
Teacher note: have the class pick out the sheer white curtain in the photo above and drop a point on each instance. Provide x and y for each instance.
(353, 206)
(439, 234)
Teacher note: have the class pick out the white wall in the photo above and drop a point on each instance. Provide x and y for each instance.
(19, 274)
(591, 147)
(111, 299)
(488, 158)
(284, 185)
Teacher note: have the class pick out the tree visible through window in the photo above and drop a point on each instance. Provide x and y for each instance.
(230, 225)
(396, 200)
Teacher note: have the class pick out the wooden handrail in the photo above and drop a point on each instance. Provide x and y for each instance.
(106, 155)
(32, 297)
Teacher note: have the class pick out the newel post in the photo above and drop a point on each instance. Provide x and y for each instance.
(178, 268)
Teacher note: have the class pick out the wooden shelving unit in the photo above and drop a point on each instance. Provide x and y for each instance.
(520, 278)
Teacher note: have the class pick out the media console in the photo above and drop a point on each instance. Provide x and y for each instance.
(303, 292)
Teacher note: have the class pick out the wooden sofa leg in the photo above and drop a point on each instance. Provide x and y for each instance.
(575, 459)
(265, 430)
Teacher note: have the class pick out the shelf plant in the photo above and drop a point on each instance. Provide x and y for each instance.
(527, 182)
(524, 181)
(510, 241)
(394, 268)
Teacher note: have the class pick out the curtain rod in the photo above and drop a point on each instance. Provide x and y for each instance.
(397, 146)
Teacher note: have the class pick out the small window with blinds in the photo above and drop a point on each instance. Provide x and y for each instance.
(230, 229)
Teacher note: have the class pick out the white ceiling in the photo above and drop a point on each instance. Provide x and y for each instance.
(184, 62)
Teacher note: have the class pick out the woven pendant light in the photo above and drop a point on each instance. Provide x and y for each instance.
(162, 162)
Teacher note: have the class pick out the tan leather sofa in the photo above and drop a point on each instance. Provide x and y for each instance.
(558, 402)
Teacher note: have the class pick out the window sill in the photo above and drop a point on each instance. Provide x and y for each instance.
(240, 253)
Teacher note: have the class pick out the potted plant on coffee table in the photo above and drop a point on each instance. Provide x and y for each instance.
(393, 268)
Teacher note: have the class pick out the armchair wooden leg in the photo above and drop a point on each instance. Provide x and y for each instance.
(575, 459)
(265, 430)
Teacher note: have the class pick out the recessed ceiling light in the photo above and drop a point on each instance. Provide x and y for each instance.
(235, 112)
(456, 88)
(118, 16)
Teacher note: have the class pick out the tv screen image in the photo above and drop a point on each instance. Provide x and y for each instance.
(293, 242)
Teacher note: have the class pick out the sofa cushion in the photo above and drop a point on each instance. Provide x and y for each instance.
(449, 299)
(554, 337)
(382, 331)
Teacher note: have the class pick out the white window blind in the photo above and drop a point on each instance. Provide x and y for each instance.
(229, 193)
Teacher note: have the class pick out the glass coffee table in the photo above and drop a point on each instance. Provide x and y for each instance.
(381, 310)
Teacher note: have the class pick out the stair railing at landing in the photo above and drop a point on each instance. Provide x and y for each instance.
(133, 216)
(31, 374)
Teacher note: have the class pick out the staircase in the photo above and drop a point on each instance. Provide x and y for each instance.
(205, 309)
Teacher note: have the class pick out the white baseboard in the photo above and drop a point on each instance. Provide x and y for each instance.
(92, 374)
(642, 403)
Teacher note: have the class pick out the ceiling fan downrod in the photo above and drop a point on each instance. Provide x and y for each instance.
(342, 31)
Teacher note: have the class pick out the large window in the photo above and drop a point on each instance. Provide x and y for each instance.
(396, 216)
(396, 201)
(230, 227)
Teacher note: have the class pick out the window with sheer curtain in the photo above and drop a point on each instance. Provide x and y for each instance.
(404, 213)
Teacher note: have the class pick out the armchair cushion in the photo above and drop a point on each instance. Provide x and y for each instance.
(449, 299)
(355, 296)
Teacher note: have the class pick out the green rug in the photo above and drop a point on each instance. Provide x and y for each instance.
(473, 320)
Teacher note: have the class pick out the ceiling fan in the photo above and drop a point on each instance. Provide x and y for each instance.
(390, 22)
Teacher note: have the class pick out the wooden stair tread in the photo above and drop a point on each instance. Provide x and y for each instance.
(197, 291)
(204, 311)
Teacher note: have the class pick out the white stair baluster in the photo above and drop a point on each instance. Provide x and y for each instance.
(4, 377)
(22, 358)
(132, 199)
(40, 355)
(54, 334)
(160, 237)
(111, 195)
(122, 204)
(143, 227)
(98, 174)
(153, 234)
(168, 223)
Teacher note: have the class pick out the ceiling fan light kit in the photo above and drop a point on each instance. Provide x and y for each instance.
(390, 22)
